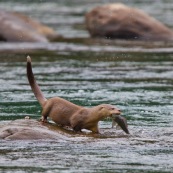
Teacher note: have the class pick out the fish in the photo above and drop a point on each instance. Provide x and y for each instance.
(121, 121)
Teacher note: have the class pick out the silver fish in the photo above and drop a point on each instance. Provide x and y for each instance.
(121, 121)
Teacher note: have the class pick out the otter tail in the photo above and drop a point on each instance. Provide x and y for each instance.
(34, 86)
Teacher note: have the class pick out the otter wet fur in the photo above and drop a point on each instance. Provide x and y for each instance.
(65, 113)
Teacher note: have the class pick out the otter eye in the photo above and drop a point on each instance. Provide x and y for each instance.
(101, 107)
(112, 108)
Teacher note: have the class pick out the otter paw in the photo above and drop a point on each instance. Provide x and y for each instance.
(44, 120)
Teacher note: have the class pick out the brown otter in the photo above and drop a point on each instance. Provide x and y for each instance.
(66, 113)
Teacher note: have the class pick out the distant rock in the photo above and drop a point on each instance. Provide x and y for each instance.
(117, 21)
(16, 27)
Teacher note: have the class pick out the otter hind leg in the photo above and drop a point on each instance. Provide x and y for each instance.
(45, 114)
(43, 119)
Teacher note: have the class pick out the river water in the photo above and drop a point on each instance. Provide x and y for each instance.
(137, 77)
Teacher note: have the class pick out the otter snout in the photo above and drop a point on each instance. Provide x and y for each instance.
(115, 112)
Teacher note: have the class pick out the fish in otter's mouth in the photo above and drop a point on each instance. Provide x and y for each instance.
(121, 121)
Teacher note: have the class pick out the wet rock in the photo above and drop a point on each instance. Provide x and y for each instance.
(16, 27)
(123, 22)
(28, 129)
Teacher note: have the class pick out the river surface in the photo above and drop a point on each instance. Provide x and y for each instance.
(137, 77)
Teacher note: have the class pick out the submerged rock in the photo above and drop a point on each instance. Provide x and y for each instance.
(16, 27)
(123, 22)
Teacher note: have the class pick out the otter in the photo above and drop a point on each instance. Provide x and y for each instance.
(65, 113)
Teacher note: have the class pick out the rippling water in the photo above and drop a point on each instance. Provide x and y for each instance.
(140, 85)
(135, 77)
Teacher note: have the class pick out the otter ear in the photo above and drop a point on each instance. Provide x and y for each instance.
(102, 107)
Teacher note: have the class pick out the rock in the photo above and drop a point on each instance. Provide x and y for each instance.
(16, 27)
(123, 22)
(29, 129)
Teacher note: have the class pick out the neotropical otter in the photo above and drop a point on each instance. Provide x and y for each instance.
(66, 113)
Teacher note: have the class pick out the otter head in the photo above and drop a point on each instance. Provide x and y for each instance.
(107, 110)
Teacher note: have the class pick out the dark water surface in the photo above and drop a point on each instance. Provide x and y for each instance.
(137, 77)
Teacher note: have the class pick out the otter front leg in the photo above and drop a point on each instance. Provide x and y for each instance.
(94, 129)
(77, 128)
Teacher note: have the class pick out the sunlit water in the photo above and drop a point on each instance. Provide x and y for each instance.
(140, 84)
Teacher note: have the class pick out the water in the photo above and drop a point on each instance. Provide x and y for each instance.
(141, 86)
(134, 76)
